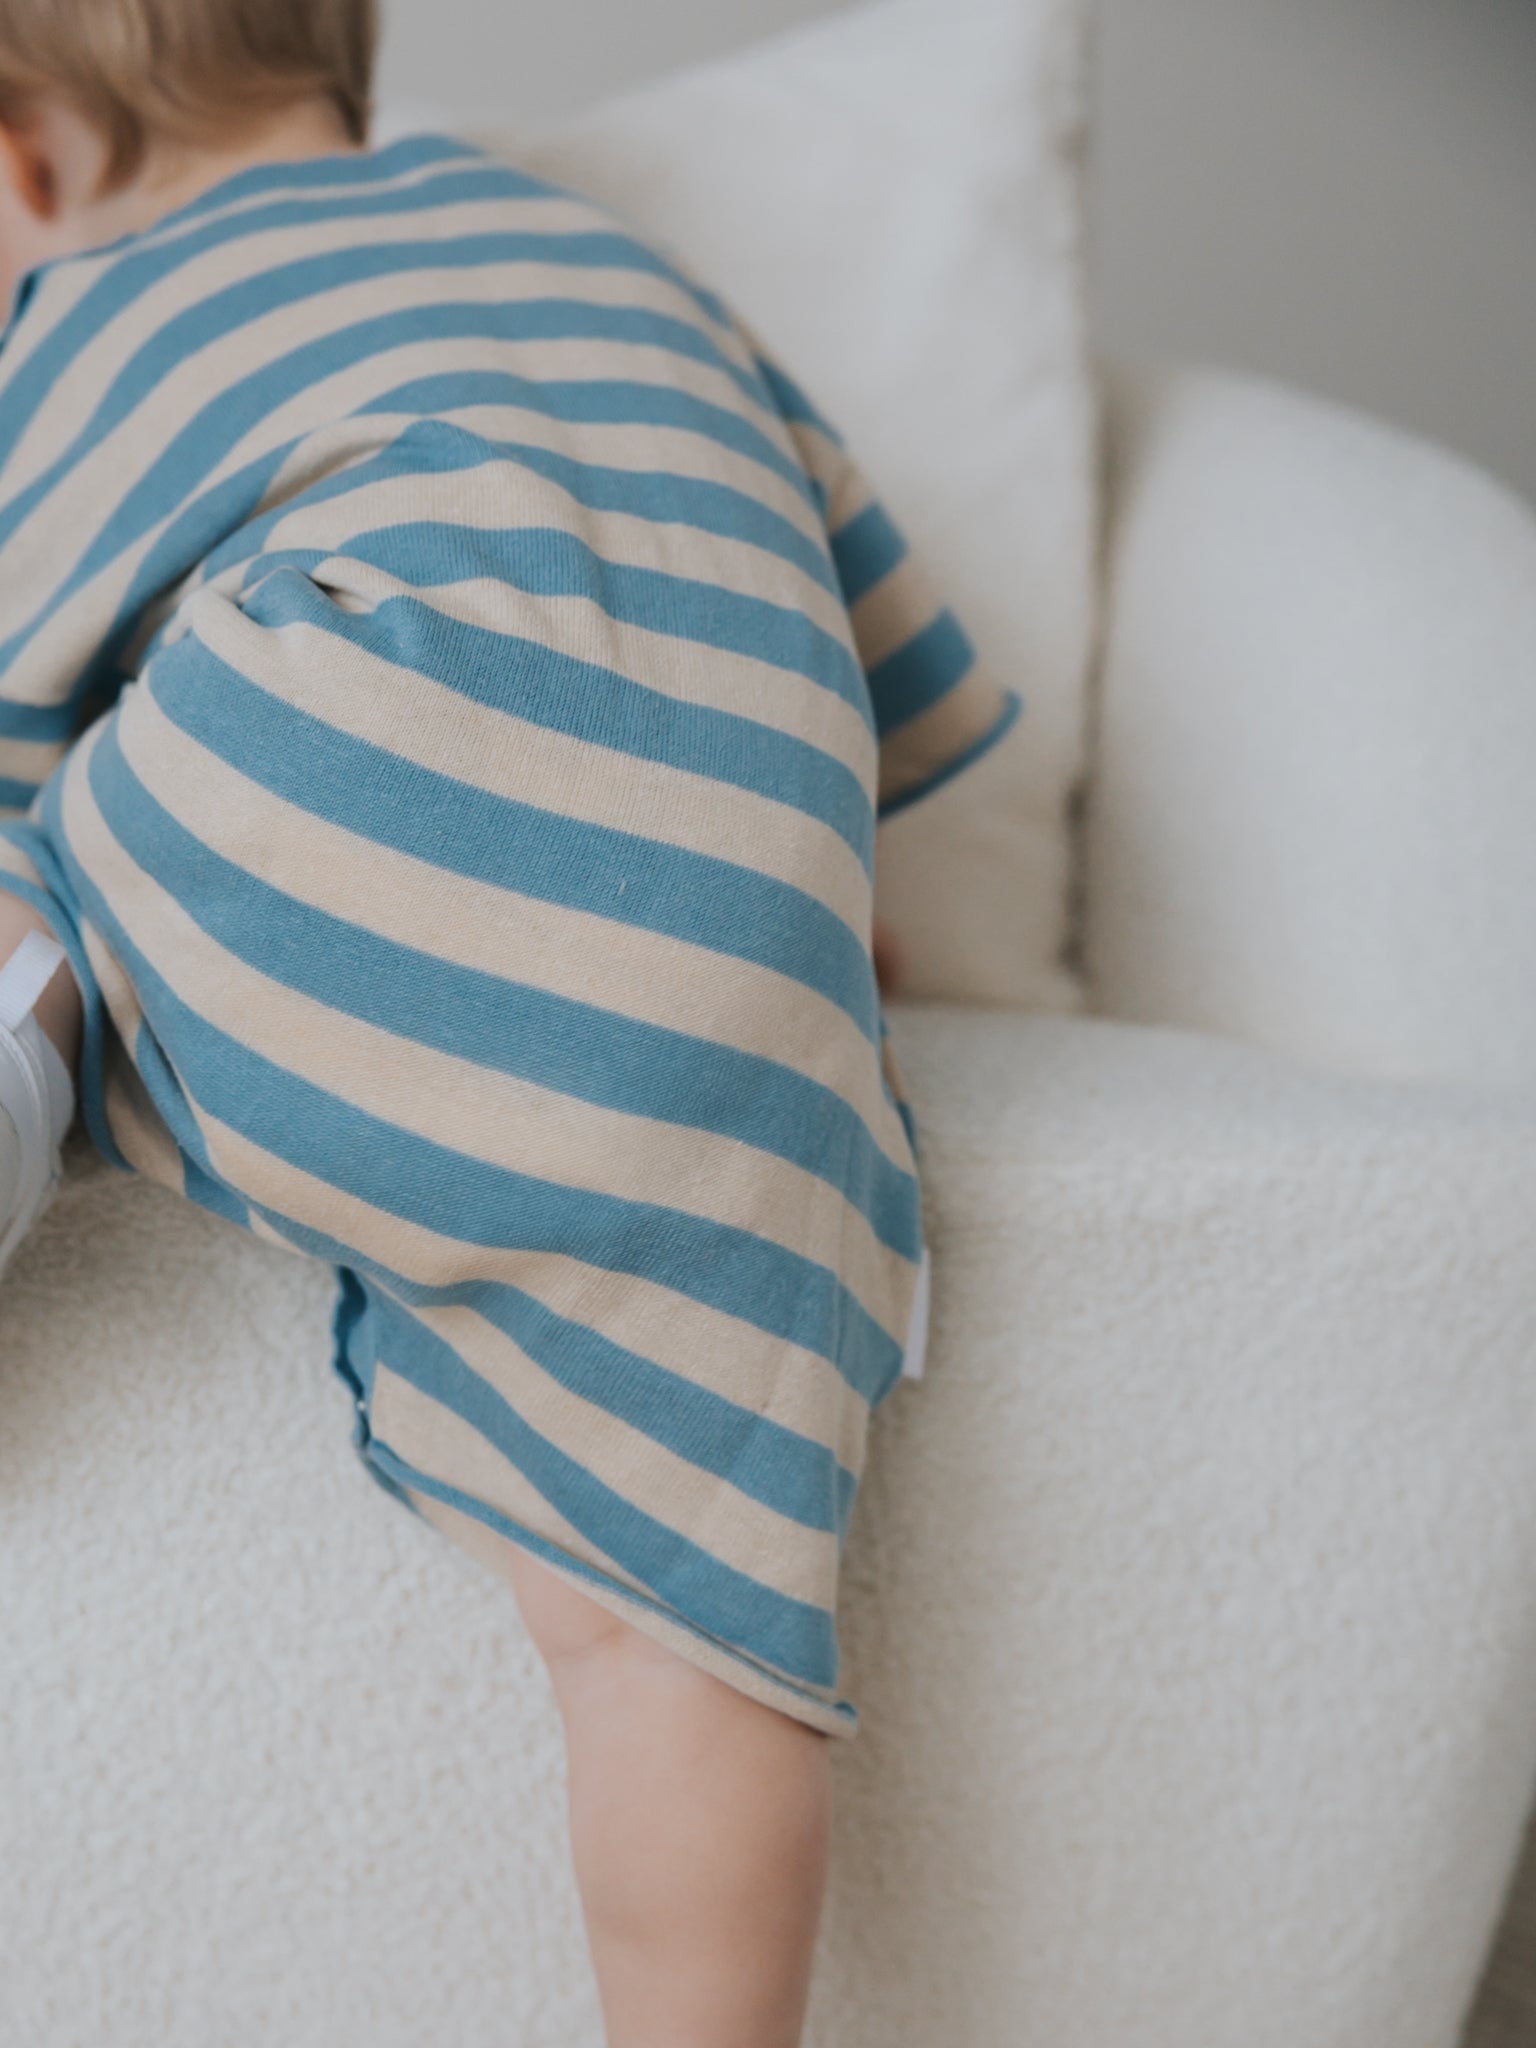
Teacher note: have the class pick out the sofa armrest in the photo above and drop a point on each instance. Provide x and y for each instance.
(1313, 815)
(1189, 1603)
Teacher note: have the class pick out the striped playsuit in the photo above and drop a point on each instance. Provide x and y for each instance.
(447, 684)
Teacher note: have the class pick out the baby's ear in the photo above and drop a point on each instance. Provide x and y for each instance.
(52, 160)
(27, 173)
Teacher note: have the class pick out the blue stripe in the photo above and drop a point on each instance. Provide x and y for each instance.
(569, 1047)
(866, 550)
(689, 1581)
(595, 401)
(37, 723)
(16, 795)
(547, 561)
(723, 1267)
(952, 768)
(708, 902)
(920, 674)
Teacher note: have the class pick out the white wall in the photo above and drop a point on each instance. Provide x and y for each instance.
(1342, 192)
(530, 59)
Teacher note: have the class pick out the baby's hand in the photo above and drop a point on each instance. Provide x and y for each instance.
(889, 964)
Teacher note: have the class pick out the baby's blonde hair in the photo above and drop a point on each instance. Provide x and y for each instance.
(141, 70)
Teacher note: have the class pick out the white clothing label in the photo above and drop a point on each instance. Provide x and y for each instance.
(917, 1330)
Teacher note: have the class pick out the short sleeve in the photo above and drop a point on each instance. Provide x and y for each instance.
(937, 707)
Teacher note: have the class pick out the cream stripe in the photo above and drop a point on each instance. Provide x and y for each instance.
(812, 1705)
(702, 1345)
(886, 617)
(626, 969)
(515, 1125)
(413, 717)
(31, 760)
(833, 468)
(14, 862)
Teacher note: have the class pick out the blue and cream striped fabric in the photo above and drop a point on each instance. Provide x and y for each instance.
(448, 681)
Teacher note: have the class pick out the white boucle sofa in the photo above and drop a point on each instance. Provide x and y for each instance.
(1191, 1600)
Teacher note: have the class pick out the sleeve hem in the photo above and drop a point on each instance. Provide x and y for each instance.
(962, 761)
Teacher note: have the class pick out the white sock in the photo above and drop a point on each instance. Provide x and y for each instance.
(37, 1097)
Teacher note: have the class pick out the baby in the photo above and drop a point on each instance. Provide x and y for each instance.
(448, 683)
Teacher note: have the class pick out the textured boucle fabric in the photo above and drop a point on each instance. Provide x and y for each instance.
(1190, 1605)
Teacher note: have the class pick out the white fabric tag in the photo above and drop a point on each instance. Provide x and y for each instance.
(917, 1330)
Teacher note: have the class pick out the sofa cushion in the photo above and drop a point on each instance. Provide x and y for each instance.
(892, 200)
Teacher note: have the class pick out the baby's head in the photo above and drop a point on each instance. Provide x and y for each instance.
(114, 111)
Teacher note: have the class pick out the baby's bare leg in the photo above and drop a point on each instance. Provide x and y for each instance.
(700, 1824)
(58, 1008)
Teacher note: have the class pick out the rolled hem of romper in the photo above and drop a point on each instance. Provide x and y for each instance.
(466, 1516)
(894, 806)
